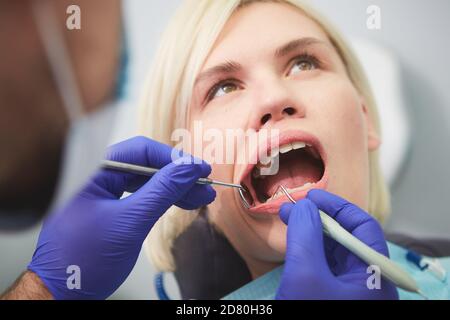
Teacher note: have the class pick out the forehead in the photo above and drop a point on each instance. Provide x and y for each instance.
(260, 28)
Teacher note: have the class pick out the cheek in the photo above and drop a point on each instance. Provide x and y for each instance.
(341, 112)
(348, 126)
(221, 114)
(346, 141)
(213, 131)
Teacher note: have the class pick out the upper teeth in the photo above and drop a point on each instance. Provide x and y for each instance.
(285, 148)
(292, 146)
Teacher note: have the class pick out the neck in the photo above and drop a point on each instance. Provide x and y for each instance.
(258, 267)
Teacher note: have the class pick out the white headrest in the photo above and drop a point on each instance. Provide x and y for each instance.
(383, 72)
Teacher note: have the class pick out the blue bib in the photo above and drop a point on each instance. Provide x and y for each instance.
(265, 287)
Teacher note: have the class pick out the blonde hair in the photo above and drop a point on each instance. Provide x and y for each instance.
(185, 46)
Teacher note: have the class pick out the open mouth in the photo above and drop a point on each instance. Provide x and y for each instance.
(301, 167)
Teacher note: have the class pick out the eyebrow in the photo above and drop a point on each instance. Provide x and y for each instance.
(223, 68)
(230, 67)
(297, 44)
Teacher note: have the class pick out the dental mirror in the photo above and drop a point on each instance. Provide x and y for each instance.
(242, 191)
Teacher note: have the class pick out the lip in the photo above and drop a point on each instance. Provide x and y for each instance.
(289, 136)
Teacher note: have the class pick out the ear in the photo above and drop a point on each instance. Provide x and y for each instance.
(373, 138)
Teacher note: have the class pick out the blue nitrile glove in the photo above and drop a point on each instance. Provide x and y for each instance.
(316, 266)
(103, 234)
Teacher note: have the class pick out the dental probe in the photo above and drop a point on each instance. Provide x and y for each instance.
(389, 269)
(148, 171)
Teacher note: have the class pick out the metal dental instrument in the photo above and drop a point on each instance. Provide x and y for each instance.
(389, 269)
(147, 171)
(243, 199)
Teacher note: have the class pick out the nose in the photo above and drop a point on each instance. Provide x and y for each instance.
(276, 115)
(274, 103)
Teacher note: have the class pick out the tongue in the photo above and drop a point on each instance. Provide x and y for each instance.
(294, 171)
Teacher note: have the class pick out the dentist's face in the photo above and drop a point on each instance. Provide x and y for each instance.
(33, 121)
(279, 70)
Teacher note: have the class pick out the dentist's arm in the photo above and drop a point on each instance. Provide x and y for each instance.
(27, 287)
(87, 249)
(317, 267)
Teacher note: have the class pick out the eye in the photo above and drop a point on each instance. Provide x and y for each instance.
(222, 89)
(303, 63)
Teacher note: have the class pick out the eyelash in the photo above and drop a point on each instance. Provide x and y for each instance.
(215, 87)
(301, 57)
(306, 57)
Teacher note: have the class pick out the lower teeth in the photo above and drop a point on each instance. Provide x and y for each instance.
(280, 193)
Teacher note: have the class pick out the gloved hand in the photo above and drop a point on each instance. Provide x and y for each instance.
(316, 266)
(103, 234)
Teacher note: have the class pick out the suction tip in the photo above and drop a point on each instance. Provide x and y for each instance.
(422, 294)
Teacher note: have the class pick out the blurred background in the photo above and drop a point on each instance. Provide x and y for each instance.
(406, 61)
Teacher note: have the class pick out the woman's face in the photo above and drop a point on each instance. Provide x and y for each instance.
(273, 68)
